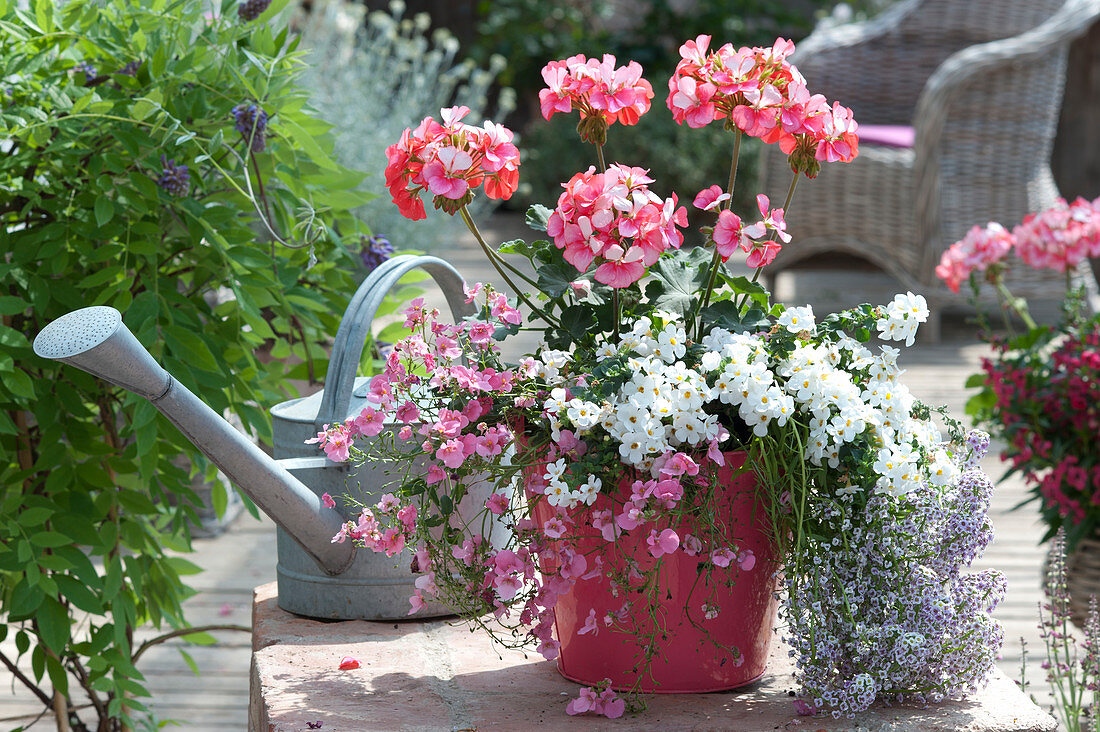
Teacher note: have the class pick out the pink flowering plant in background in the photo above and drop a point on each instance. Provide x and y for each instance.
(595, 457)
(1039, 390)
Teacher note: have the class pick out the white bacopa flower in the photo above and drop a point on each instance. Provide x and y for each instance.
(632, 447)
(584, 415)
(558, 494)
(557, 402)
(797, 320)
(588, 490)
(671, 343)
(605, 351)
(710, 361)
(555, 470)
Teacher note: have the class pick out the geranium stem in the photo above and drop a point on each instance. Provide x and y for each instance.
(495, 260)
(599, 157)
(790, 195)
(615, 313)
(715, 261)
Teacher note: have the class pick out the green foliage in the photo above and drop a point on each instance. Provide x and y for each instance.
(245, 267)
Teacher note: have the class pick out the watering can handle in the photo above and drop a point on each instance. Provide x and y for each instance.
(355, 326)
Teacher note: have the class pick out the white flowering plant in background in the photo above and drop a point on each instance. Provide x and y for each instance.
(657, 365)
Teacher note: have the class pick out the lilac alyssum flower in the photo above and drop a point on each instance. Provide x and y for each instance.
(251, 121)
(252, 9)
(175, 179)
(376, 250)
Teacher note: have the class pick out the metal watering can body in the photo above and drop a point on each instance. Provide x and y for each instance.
(374, 587)
(316, 577)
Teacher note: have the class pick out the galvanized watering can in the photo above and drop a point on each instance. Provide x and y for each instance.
(316, 577)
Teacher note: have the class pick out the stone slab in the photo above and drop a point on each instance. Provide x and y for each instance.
(431, 676)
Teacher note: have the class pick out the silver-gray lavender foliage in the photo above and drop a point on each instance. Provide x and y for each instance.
(374, 75)
(884, 608)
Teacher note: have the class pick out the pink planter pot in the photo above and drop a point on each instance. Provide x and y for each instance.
(692, 654)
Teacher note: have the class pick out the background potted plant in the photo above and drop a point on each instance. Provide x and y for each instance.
(1039, 392)
(674, 422)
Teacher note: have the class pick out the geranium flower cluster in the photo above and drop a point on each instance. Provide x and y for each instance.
(449, 161)
(1058, 238)
(757, 91)
(603, 93)
(981, 247)
(613, 219)
(903, 620)
(1046, 403)
(1061, 237)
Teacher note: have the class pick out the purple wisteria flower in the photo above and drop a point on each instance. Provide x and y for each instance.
(130, 69)
(251, 121)
(252, 9)
(376, 249)
(90, 72)
(175, 179)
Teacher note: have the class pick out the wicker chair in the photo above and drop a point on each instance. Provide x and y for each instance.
(981, 82)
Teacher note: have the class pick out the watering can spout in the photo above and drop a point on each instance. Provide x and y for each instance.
(96, 340)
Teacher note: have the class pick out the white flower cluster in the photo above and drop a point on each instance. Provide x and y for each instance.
(841, 389)
(558, 492)
(903, 316)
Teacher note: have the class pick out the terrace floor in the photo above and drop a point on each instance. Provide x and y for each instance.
(244, 556)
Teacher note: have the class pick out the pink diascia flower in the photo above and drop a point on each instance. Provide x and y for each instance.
(663, 543)
(981, 247)
(449, 160)
(614, 220)
(606, 702)
(497, 504)
(328, 501)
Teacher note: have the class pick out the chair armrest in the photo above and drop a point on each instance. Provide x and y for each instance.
(969, 93)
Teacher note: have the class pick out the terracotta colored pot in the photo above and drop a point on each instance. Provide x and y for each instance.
(693, 654)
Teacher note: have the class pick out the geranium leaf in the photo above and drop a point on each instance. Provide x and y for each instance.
(537, 216)
(555, 279)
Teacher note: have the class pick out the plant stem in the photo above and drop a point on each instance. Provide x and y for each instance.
(183, 631)
(790, 195)
(42, 697)
(1016, 305)
(733, 166)
(599, 157)
(715, 261)
(496, 261)
(615, 313)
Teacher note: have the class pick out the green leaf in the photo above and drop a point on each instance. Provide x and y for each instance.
(555, 279)
(517, 246)
(976, 380)
(50, 539)
(219, 497)
(678, 281)
(53, 625)
(296, 133)
(10, 305)
(190, 662)
(19, 384)
(78, 594)
(537, 216)
(199, 639)
(104, 210)
(190, 348)
(578, 321)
